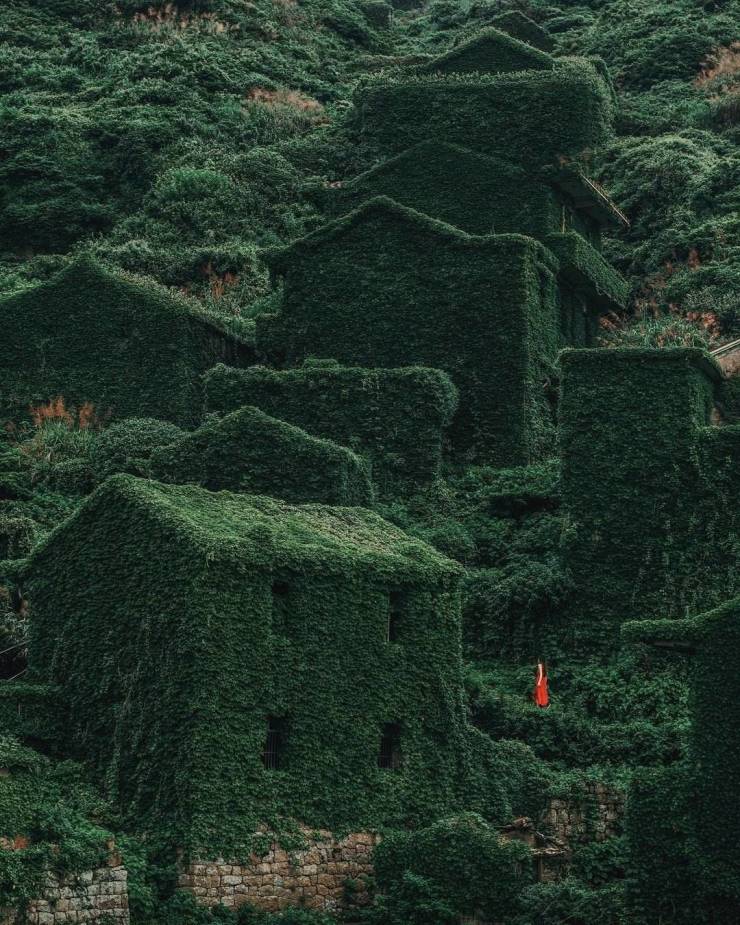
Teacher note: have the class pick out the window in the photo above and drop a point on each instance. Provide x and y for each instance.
(396, 607)
(274, 751)
(390, 747)
(280, 589)
(280, 599)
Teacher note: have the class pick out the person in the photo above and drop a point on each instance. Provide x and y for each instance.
(540, 694)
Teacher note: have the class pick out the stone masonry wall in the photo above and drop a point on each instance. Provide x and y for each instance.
(729, 359)
(327, 874)
(596, 817)
(330, 873)
(93, 897)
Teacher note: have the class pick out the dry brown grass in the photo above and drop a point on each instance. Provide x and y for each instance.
(723, 62)
(56, 411)
(293, 99)
(219, 284)
(170, 17)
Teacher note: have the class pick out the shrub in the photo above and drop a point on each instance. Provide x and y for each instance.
(452, 868)
(128, 445)
(661, 331)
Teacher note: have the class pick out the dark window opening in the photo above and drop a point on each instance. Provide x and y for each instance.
(390, 747)
(280, 604)
(396, 606)
(273, 755)
(280, 588)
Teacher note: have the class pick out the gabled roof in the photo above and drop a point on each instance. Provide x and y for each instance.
(258, 531)
(523, 28)
(85, 277)
(250, 448)
(416, 156)
(280, 259)
(491, 52)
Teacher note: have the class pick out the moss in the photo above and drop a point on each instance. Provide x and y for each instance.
(249, 451)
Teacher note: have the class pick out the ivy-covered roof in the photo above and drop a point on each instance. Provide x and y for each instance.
(262, 531)
(85, 276)
(280, 259)
(690, 356)
(414, 158)
(491, 52)
(250, 452)
(522, 27)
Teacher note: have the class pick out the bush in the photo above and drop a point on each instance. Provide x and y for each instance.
(128, 445)
(455, 867)
(661, 331)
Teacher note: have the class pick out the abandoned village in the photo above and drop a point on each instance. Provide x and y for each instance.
(254, 657)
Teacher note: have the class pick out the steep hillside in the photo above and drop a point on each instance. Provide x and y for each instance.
(161, 155)
(176, 139)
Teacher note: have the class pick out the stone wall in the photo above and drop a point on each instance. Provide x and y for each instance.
(728, 358)
(595, 817)
(331, 873)
(93, 897)
(328, 874)
(565, 824)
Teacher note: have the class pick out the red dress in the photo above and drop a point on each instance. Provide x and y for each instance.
(540, 696)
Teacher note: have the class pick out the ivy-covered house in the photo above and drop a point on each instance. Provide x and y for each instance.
(704, 791)
(226, 659)
(652, 512)
(119, 346)
(249, 451)
(498, 196)
(472, 246)
(365, 409)
(387, 286)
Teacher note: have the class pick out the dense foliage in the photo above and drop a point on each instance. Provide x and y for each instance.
(480, 308)
(177, 141)
(320, 585)
(249, 451)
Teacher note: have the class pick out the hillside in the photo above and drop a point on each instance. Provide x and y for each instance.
(174, 141)
(243, 255)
